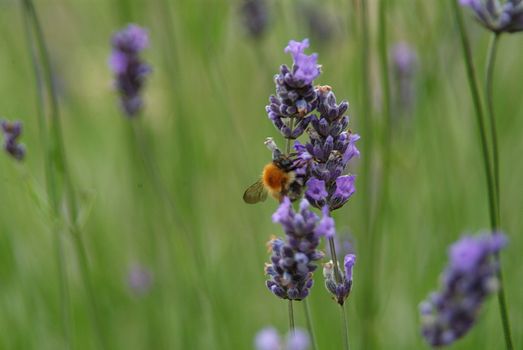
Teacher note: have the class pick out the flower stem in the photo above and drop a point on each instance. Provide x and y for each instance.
(489, 79)
(310, 327)
(467, 53)
(337, 274)
(365, 114)
(50, 187)
(345, 326)
(291, 317)
(288, 141)
(58, 159)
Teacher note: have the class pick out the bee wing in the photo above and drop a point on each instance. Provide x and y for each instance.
(255, 193)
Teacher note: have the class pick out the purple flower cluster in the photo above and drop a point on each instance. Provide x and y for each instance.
(469, 278)
(295, 95)
(339, 289)
(129, 69)
(499, 18)
(330, 148)
(12, 132)
(293, 259)
(255, 16)
(269, 339)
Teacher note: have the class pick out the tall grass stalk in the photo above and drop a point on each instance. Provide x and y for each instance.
(57, 159)
(50, 181)
(489, 81)
(491, 187)
(310, 326)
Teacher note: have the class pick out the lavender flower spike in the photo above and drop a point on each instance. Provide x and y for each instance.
(129, 69)
(327, 154)
(12, 132)
(295, 96)
(293, 259)
(498, 18)
(470, 277)
(269, 339)
(339, 290)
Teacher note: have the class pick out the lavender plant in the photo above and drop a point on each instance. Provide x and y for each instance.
(321, 166)
(129, 69)
(470, 277)
(269, 339)
(12, 132)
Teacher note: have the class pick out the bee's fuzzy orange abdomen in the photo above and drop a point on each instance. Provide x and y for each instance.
(275, 179)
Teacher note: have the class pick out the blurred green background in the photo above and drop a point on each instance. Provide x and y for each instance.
(204, 125)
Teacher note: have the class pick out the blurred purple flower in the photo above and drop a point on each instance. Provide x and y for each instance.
(255, 17)
(12, 131)
(139, 279)
(404, 66)
(320, 24)
(293, 260)
(129, 69)
(269, 339)
(497, 17)
(468, 280)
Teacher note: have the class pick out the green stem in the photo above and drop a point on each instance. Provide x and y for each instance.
(345, 327)
(50, 186)
(365, 114)
(85, 274)
(489, 80)
(288, 141)
(310, 327)
(291, 317)
(467, 53)
(58, 158)
(337, 274)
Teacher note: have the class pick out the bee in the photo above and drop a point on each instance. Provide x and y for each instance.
(276, 179)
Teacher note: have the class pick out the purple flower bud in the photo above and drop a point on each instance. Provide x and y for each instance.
(12, 132)
(130, 71)
(344, 190)
(326, 226)
(316, 193)
(348, 263)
